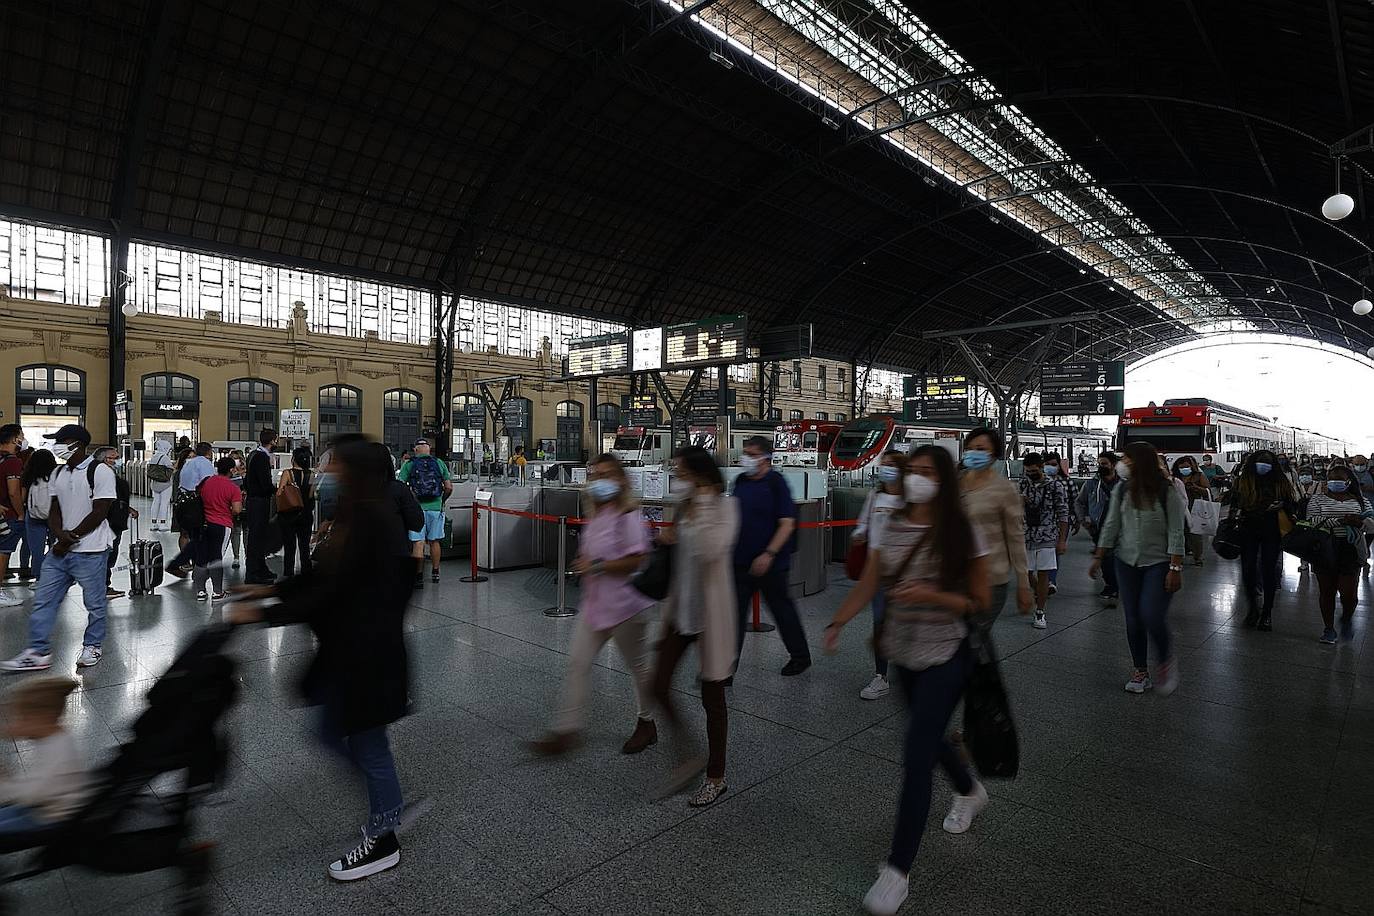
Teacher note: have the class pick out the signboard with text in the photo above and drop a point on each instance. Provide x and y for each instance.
(710, 341)
(295, 424)
(1078, 389)
(1079, 402)
(605, 354)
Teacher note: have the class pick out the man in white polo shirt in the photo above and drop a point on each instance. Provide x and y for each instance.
(82, 494)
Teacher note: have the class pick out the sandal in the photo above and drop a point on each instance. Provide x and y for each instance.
(707, 794)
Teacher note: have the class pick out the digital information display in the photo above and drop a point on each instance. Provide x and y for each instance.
(711, 341)
(646, 350)
(934, 398)
(1111, 374)
(1072, 403)
(604, 354)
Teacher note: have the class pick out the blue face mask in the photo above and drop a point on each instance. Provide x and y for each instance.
(603, 490)
(976, 459)
(1185, 472)
(1304, 478)
(888, 474)
(1051, 470)
(1337, 486)
(1263, 467)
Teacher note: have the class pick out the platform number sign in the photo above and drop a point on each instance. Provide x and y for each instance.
(1081, 389)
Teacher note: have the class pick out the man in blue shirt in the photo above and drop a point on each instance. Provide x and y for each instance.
(763, 552)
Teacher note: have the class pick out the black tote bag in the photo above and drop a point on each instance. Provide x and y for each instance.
(656, 577)
(989, 730)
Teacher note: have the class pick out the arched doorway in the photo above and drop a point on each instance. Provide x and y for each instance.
(341, 411)
(169, 405)
(252, 408)
(569, 418)
(47, 398)
(400, 418)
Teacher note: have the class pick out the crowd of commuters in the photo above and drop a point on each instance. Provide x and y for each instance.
(945, 547)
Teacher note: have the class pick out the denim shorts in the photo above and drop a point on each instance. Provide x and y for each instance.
(434, 527)
(9, 543)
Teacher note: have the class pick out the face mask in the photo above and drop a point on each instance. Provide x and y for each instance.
(62, 451)
(119, 464)
(749, 463)
(1337, 486)
(603, 490)
(1185, 472)
(1051, 470)
(976, 459)
(888, 474)
(920, 489)
(1263, 467)
(1304, 478)
(1283, 463)
(1123, 470)
(682, 486)
(1360, 468)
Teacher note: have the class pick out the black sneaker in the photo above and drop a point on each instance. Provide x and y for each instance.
(434, 576)
(795, 666)
(368, 858)
(419, 580)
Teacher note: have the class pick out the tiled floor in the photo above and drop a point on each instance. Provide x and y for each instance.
(1248, 791)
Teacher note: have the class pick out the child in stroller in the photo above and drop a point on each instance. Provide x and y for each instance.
(120, 826)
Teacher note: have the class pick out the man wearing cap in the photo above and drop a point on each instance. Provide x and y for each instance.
(11, 506)
(83, 492)
(428, 479)
(259, 489)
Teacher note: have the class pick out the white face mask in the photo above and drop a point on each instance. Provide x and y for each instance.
(1123, 470)
(749, 463)
(682, 486)
(62, 451)
(919, 488)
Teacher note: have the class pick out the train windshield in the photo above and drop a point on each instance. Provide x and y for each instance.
(856, 439)
(625, 443)
(1170, 439)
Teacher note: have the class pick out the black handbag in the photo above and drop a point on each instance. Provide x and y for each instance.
(989, 730)
(1315, 545)
(1226, 542)
(654, 580)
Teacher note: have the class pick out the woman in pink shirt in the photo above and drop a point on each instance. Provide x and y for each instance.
(222, 500)
(613, 544)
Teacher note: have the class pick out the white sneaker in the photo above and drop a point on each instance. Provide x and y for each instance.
(90, 655)
(888, 893)
(965, 808)
(28, 660)
(876, 689)
(1168, 677)
(9, 599)
(1139, 682)
(1038, 621)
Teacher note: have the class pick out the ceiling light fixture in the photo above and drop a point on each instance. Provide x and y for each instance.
(1362, 307)
(721, 59)
(1338, 206)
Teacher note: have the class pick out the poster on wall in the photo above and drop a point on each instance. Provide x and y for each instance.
(295, 424)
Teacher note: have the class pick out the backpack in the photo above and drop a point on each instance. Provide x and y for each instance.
(160, 473)
(426, 480)
(118, 516)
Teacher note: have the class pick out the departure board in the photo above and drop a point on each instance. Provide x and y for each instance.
(601, 355)
(711, 341)
(646, 350)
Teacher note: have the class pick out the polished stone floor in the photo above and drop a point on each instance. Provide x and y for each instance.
(1248, 791)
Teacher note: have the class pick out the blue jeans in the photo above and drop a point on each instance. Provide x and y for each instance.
(879, 609)
(931, 696)
(60, 573)
(36, 535)
(1146, 605)
(19, 819)
(370, 754)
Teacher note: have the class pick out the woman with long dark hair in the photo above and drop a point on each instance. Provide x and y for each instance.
(886, 499)
(613, 545)
(996, 510)
(1261, 494)
(1195, 488)
(354, 599)
(700, 609)
(297, 525)
(1340, 509)
(932, 563)
(35, 482)
(1144, 531)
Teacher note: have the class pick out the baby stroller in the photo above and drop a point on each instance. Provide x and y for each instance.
(123, 828)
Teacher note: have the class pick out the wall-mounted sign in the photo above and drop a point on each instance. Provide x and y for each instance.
(295, 424)
(51, 402)
(174, 408)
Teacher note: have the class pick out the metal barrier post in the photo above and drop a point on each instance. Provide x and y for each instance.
(756, 624)
(472, 549)
(562, 609)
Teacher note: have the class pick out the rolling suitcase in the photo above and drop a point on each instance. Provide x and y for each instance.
(145, 564)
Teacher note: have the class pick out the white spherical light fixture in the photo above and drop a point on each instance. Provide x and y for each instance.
(1370, 352)
(1338, 206)
(129, 310)
(1363, 307)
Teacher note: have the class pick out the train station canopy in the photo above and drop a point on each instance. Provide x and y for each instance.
(880, 168)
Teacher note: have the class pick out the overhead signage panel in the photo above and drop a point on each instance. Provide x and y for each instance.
(711, 341)
(646, 350)
(1079, 402)
(1107, 374)
(605, 354)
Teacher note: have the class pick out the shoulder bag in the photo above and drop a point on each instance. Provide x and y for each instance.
(856, 557)
(288, 498)
(1226, 542)
(989, 730)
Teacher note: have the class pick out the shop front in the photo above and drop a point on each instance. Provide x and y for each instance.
(169, 408)
(47, 398)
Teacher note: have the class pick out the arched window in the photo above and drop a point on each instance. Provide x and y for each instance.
(569, 414)
(608, 415)
(400, 418)
(55, 393)
(822, 415)
(170, 388)
(341, 411)
(470, 415)
(744, 417)
(796, 415)
(252, 408)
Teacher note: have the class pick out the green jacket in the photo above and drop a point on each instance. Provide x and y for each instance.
(1144, 537)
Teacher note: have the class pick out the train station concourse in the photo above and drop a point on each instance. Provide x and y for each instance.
(716, 457)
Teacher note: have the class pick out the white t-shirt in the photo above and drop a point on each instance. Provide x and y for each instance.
(72, 488)
(196, 470)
